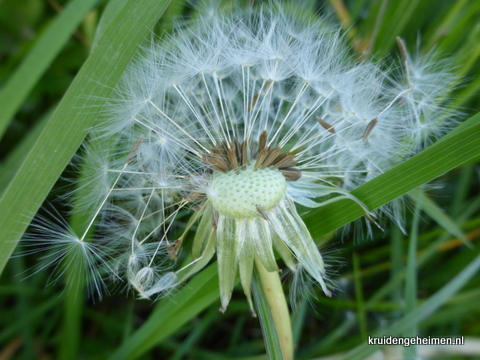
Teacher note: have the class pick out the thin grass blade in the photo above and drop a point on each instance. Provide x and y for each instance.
(49, 44)
(421, 312)
(457, 148)
(266, 322)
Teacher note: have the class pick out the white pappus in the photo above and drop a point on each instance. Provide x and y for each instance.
(235, 118)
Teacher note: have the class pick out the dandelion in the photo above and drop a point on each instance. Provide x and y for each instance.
(236, 118)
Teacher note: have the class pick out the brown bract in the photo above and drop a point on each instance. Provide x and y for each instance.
(235, 156)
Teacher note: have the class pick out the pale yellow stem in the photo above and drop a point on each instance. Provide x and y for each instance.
(272, 286)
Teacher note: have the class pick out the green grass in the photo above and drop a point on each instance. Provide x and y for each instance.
(422, 283)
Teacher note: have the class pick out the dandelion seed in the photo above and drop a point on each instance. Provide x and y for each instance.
(369, 129)
(239, 117)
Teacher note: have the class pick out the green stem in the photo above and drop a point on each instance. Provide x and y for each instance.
(272, 286)
(71, 332)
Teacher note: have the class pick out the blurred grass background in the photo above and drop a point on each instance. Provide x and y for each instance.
(423, 283)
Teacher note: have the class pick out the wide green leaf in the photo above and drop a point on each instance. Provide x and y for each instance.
(76, 113)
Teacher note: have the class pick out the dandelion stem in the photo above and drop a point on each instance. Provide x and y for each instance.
(272, 286)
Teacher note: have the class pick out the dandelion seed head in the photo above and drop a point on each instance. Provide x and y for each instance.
(234, 119)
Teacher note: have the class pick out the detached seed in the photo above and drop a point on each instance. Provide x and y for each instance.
(369, 129)
(326, 126)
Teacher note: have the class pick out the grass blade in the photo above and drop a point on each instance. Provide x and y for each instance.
(67, 128)
(22, 81)
(457, 148)
(421, 312)
(360, 300)
(10, 164)
(266, 322)
(411, 282)
(171, 313)
(437, 214)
